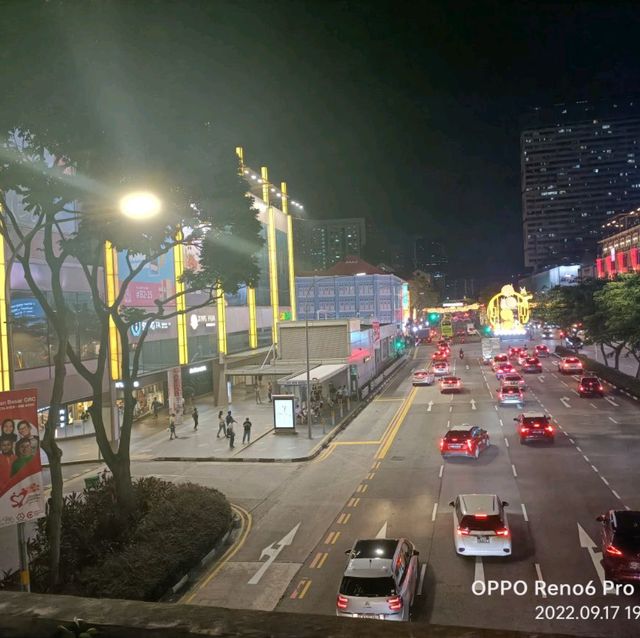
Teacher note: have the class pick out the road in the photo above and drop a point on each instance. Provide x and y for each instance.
(384, 475)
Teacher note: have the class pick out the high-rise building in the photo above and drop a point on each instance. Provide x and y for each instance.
(579, 166)
(429, 256)
(323, 242)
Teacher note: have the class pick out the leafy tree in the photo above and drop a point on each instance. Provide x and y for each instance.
(59, 203)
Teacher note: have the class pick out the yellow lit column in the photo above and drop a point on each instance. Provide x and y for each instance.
(240, 154)
(222, 321)
(111, 280)
(5, 359)
(253, 324)
(181, 302)
(292, 273)
(273, 256)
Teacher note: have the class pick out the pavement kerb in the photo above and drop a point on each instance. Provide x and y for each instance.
(300, 459)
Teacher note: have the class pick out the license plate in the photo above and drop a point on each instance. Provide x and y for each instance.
(455, 447)
(483, 539)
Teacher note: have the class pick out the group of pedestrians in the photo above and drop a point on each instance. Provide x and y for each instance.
(225, 427)
(259, 395)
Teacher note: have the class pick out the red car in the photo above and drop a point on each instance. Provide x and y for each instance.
(503, 369)
(439, 356)
(535, 426)
(532, 364)
(467, 443)
(621, 545)
(513, 352)
(542, 350)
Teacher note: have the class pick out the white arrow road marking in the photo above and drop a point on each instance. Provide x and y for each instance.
(589, 545)
(565, 402)
(435, 512)
(423, 571)
(383, 531)
(541, 379)
(272, 552)
(478, 575)
(539, 573)
(612, 402)
(473, 404)
(429, 406)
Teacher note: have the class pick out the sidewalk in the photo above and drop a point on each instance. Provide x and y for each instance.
(150, 436)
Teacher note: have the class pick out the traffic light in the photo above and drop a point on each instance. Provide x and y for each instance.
(433, 317)
(486, 330)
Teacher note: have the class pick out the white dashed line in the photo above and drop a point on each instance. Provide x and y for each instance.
(506, 441)
(616, 494)
(594, 468)
(578, 448)
(575, 392)
(524, 513)
(513, 469)
(450, 408)
(441, 471)
(586, 458)
(604, 480)
(612, 419)
(539, 574)
(572, 441)
(612, 402)
(448, 424)
(594, 406)
(435, 511)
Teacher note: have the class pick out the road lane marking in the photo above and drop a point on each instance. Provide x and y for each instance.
(540, 579)
(316, 560)
(370, 475)
(353, 502)
(565, 402)
(565, 383)
(578, 448)
(513, 468)
(594, 406)
(572, 441)
(587, 543)
(247, 521)
(506, 441)
(604, 480)
(395, 424)
(594, 468)
(616, 494)
(575, 392)
(586, 458)
(612, 402)
(441, 471)
(450, 408)
(553, 374)
(322, 560)
(423, 572)
(382, 532)
(524, 513)
(329, 537)
(501, 423)
(612, 419)
(434, 512)
(361, 488)
(478, 574)
(448, 424)
(301, 589)
(343, 519)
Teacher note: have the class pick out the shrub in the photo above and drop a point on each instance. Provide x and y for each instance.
(173, 528)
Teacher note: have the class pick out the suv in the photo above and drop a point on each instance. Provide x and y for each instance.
(510, 395)
(621, 545)
(573, 342)
(481, 527)
(535, 426)
(380, 580)
(590, 386)
(467, 443)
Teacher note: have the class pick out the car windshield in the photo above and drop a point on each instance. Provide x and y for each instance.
(628, 525)
(510, 390)
(590, 380)
(572, 360)
(368, 587)
(456, 435)
(376, 548)
(476, 523)
(532, 420)
(533, 360)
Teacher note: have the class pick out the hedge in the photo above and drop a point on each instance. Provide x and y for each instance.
(173, 528)
(615, 377)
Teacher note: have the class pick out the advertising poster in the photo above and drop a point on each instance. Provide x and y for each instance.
(284, 417)
(156, 281)
(21, 491)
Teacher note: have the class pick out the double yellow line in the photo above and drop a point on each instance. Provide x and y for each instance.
(395, 424)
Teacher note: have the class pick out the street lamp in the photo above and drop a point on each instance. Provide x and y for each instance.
(140, 205)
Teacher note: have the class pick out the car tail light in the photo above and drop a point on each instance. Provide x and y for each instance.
(442, 444)
(502, 531)
(481, 516)
(342, 602)
(463, 531)
(549, 428)
(600, 388)
(612, 550)
(395, 603)
(523, 430)
(500, 395)
(581, 388)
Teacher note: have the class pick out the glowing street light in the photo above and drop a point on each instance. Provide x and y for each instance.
(140, 205)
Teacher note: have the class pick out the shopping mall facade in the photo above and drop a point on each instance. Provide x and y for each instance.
(184, 355)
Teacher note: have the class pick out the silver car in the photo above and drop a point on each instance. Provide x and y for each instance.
(380, 580)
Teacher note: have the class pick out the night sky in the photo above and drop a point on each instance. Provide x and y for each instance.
(405, 113)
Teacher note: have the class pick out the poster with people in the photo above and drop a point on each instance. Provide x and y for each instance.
(21, 490)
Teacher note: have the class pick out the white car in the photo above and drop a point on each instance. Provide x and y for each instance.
(440, 368)
(480, 525)
(423, 377)
(570, 365)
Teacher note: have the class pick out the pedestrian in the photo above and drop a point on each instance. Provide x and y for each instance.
(195, 417)
(229, 420)
(246, 436)
(231, 434)
(172, 426)
(258, 397)
(155, 406)
(269, 391)
(222, 427)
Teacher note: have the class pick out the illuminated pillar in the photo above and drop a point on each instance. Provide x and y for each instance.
(292, 273)
(273, 256)
(253, 324)
(240, 154)
(5, 357)
(181, 302)
(111, 280)
(222, 321)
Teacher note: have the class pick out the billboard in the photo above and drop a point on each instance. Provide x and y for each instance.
(21, 490)
(155, 281)
(284, 416)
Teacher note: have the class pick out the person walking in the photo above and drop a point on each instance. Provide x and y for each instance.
(246, 436)
(231, 434)
(222, 426)
(258, 397)
(172, 427)
(155, 406)
(229, 420)
(269, 391)
(195, 417)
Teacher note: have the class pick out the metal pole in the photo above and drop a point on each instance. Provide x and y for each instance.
(306, 336)
(25, 582)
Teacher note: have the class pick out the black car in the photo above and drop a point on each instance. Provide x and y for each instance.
(621, 545)
(590, 386)
(573, 342)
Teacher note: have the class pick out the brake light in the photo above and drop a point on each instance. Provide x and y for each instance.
(600, 388)
(612, 550)
(479, 516)
(395, 603)
(549, 428)
(463, 531)
(442, 444)
(342, 602)
(502, 531)
(581, 388)
(523, 429)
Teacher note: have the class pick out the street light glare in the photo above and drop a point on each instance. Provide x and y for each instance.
(140, 205)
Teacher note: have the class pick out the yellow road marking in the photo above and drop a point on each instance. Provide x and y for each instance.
(361, 487)
(322, 560)
(315, 560)
(404, 410)
(353, 502)
(357, 442)
(305, 589)
(389, 399)
(327, 540)
(345, 520)
(228, 555)
(370, 475)
(335, 538)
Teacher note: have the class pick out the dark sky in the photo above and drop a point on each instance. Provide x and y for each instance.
(403, 112)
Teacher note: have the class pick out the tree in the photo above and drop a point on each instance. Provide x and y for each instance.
(422, 292)
(60, 202)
